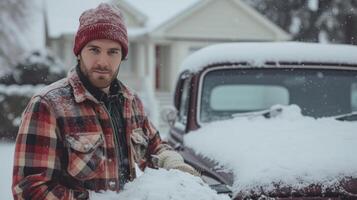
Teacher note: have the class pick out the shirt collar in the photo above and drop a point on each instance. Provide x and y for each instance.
(83, 89)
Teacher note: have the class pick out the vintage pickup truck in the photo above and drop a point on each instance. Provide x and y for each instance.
(226, 81)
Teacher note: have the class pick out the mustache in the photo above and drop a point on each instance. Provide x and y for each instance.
(102, 68)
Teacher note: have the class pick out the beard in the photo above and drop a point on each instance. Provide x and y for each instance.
(99, 76)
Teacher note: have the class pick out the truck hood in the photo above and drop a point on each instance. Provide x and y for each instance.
(287, 154)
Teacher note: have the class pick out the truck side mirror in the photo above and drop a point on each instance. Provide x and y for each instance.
(168, 115)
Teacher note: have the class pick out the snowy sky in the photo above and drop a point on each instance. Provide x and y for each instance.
(289, 148)
(35, 33)
(63, 15)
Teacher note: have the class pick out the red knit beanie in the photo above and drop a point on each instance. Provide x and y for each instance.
(103, 22)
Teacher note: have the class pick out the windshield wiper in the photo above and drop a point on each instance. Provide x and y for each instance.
(267, 113)
(352, 116)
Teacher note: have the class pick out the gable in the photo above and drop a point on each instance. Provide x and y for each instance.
(130, 19)
(133, 18)
(222, 20)
(158, 11)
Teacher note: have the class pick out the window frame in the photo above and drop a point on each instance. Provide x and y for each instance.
(267, 66)
(183, 109)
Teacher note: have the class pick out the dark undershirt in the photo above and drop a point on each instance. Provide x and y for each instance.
(114, 104)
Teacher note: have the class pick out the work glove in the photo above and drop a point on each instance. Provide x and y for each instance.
(172, 160)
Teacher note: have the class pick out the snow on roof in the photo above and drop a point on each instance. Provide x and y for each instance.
(63, 16)
(291, 149)
(259, 53)
(159, 11)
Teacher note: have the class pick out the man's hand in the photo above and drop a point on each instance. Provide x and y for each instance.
(187, 168)
(172, 160)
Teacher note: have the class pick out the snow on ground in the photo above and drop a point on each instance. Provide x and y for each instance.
(6, 158)
(151, 185)
(292, 149)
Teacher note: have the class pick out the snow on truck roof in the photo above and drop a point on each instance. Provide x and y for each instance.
(258, 53)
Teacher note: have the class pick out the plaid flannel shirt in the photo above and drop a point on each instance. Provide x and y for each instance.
(65, 144)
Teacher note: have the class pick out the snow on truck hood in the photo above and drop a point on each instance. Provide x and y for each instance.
(257, 53)
(291, 149)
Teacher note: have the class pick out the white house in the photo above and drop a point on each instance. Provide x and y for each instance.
(163, 32)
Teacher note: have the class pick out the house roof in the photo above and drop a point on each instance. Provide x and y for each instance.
(159, 11)
(165, 14)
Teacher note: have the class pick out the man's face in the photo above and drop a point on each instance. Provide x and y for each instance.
(100, 60)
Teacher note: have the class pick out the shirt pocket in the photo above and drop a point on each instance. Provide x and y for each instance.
(139, 143)
(85, 155)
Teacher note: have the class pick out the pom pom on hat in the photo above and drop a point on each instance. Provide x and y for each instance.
(103, 22)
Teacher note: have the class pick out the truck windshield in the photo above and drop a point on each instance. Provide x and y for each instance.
(318, 92)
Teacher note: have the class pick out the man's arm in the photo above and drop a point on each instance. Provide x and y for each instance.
(159, 153)
(38, 153)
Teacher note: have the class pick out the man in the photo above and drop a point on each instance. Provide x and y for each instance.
(87, 131)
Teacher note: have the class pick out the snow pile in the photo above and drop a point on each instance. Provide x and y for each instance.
(162, 185)
(290, 149)
(44, 58)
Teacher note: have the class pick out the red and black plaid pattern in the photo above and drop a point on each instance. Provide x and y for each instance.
(66, 132)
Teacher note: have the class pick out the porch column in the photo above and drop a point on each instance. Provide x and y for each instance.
(150, 66)
(178, 54)
(149, 83)
(140, 62)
